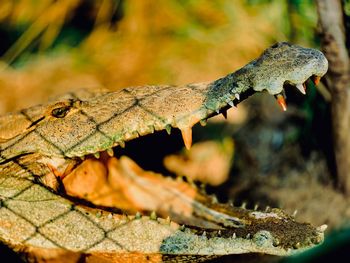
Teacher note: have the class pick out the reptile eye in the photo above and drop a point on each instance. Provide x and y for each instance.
(60, 112)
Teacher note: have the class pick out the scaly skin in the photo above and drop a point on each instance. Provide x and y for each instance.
(36, 218)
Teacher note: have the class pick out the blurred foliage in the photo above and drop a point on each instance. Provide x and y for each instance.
(113, 44)
(346, 4)
(299, 20)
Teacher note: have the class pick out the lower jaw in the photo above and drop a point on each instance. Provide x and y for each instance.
(121, 183)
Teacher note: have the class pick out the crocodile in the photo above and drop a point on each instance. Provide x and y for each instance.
(41, 145)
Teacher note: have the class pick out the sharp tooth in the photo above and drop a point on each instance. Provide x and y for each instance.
(203, 122)
(322, 228)
(316, 80)
(187, 137)
(276, 242)
(301, 88)
(297, 245)
(97, 155)
(230, 103)
(138, 215)
(295, 213)
(151, 128)
(214, 199)
(217, 111)
(179, 179)
(168, 129)
(110, 152)
(153, 216)
(122, 144)
(237, 96)
(281, 101)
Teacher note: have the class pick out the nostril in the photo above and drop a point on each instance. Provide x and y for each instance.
(60, 112)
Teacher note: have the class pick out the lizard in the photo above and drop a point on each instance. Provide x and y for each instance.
(40, 144)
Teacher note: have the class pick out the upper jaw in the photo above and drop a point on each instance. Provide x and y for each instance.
(284, 62)
(166, 107)
(231, 99)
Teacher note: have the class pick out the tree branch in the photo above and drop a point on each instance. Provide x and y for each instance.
(337, 80)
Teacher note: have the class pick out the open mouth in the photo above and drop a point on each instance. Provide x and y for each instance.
(118, 181)
(161, 137)
(141, 147)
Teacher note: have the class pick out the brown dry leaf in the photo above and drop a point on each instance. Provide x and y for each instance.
(208, 162)
(123, 184)
(235, 115)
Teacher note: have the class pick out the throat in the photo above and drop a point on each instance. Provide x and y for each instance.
(149, 151)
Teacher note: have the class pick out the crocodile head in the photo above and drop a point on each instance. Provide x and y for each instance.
(77, 125)
(279, 66)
